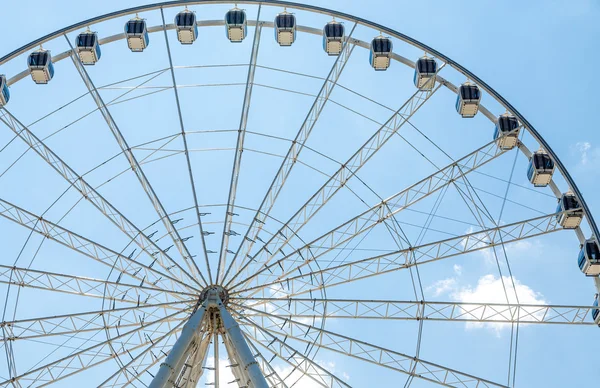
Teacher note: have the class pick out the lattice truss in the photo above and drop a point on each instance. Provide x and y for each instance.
(312, 198)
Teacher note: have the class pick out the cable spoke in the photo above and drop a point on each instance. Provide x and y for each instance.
(385, 210)
(339, 179)
(291, 356)
(420, 310)
(124, 264)
(135, 166)
(270, 373)
(89, 287)
(67, 324)
(405, 258)
(370, 353)
(141, 363)
(185, 145)
(90, 194)
(291, 157)
(96, 354)
(239, 149)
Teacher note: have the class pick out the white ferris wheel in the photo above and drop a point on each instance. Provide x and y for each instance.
(184, 207)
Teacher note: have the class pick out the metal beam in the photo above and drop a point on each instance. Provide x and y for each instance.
(419, 310)
(135, 166)
(292, 155)
(90, 194)
(239, 149)
(370, 353)
(377, 214)
(185, 145)
(171, 367)
(336, 182)
(335, 274)
(245, 357)
(124, 264)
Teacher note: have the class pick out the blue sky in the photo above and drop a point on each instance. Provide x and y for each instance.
(536, 54)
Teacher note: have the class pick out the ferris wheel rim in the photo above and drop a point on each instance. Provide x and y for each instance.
(394, 33)
(295, 5)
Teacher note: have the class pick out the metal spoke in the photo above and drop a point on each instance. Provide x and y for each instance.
(239, 149)
(383, 211)
(291, 157)
(124, 264)
(90, 194)
(270, 373)
(335, 274)
(141, 363)
(420, 310)
(365, 351)
(89, 287)
(135, 166)
(339, 179)
(300, 362)
(92, 356)
(185, 145)
(67, 324)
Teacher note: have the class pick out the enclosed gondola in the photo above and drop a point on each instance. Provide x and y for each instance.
(137, 34)
(4, 92)
(541, 168)
(40, 66)
(187, 29)
(570, 211)
(333, 38)
(285, 28)
(589, 258)
(88, 47)
(381, 52)
(236, 25)
(507, 131)
(468, 99)
(596, 312)
(425, 72)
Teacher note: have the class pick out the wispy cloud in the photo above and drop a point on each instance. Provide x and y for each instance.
(588, 155)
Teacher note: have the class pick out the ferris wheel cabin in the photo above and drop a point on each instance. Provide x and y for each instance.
(425, 71)
(4, 92)
(187, 30)
(589, 258)
(137, 34)
(236, 25)
(596, 312)
(333, 38)
(285, 28)
(541, 168)
(88, 48)
(571, 211)
(40, 66)
(507, 131)
(467, 101)
(381, 53)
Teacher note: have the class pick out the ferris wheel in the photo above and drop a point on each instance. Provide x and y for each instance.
(184, 207)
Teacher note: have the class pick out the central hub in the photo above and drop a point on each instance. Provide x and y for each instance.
(213, 290)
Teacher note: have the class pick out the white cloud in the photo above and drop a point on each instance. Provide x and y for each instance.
(457, 269)
(588, 155)
(443, 286)
(489, 289)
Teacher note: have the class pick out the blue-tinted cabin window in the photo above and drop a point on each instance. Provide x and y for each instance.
(5, 92)
(507, 123)
(593, 254)
(470, 92)
(86, 40)
(596, 312)
(185, 19)
(543, 162)
(39, 59)
(381, 45)
(569, 202)
(426, 66)
(581, 258)
(136, 27)
(334, 30)
(286, 21)
(234, 17)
